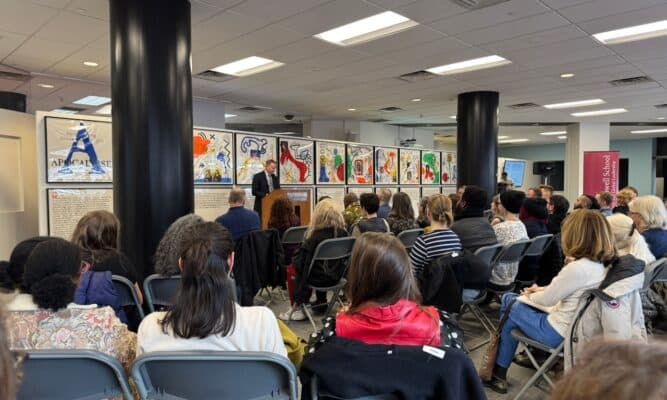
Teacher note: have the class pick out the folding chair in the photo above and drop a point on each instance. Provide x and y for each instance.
(330, 250)
(316, 395)
(160, 290)
(488, 254)
(294, 235)
(127, 294)
(408, 237)
(656, 272)
(538, 245)
(511, 253)
(72, 375)
(527, 344)
(197, 375)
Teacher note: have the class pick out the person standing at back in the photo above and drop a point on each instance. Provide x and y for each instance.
(238, 220)
(470, 224)
(370, 222)
(264, 183)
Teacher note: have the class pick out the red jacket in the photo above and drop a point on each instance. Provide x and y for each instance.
(404, 323)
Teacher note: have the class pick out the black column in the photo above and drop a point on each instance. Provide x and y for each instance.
(476, 139)
(151, 90)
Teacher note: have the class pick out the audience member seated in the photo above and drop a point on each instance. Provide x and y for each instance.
(628, 240)
(205, 315)
(455, 198)
(422, 219)
(238, 220)
(402, 215)
(167, 253)
(586, 202)
(533, 192)
(97, 232)
(369, 222)
(534, 216)
(588, 244)
(7, 292)
(326, 222)
(8, 378)
(470, 225)
(547, 191)
(623, 198)
(496, 216)
(605, 199)
(615, 369)
(384, 297)
(385, 197)
(46, 318)
(440, 240)
(13, 284)
(352, 212)
(557, 209)
(509, 231)
(650, 217)
(633, 190)
(282, 215)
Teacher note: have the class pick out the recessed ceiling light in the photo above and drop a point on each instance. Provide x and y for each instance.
(452, 116)
(416, 100)
(106, 110)
(45, 85)
(90, 64)
(469, 65)
(92, 101)
(513, 141)
(572, 104)
(599, 112)
(64, 111)
(562, 137)
(650, 131)
(230, 115)
(554, 133)
(367, 29)
(351, 109)
(566, 76)
(503, 137)
(660, 118)
(248, 66)
(633, 33)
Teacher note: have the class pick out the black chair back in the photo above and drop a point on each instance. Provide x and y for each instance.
(160, 290)
(127, 294)
(408, 237)
(294, 235)
(489, 253)
(538, 245)
(333, 250)
(513, 252)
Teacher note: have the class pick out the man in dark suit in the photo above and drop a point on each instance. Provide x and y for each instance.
(264, 183)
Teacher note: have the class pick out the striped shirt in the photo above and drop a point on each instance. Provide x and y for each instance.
(431, 246)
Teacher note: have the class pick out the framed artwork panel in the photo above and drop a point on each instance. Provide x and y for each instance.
(386, 165)
(296, 162)
(360, 168)
(430, 168)
(212, 155)
(330, 163)
(409, 166)
(252, 151)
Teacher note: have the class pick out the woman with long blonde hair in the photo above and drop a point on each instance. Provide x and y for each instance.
(326, 222)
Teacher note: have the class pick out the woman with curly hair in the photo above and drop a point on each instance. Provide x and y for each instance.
(168, 251)
(282, 215)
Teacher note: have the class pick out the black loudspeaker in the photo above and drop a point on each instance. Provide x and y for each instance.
(544, 167)
(13, 101)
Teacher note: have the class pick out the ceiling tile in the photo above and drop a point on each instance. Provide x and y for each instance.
(391, 4)
(59, 4)
(221, 4)
(9, 84)
(524, 26)
(425, 11)
(72, 65)
(91, 8)
(624, 20)
(410, 54)
(73, 28)
(603, 8)
(271, 11)
(304, 48)
(9, 42)
(330, 15)
(558, 53)
(221, 28)
(37, 55)
(22, 17)
(642, 50)
(201, 11)
(409, 38)
(536, 39)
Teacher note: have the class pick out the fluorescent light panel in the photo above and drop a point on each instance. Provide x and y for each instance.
(60, 110)
(513, 141)
(367, 29)
(633, 33)
(554, 133)
(650, 131)
(92, 101)
(106, 110)
(503, 137)
(599, 112)
(248, 66)
(562, 137)
(470, 65)
(572, 104)
(230, 115)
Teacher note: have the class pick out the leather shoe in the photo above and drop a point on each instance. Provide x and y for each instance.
(497, 384)
(522, 360)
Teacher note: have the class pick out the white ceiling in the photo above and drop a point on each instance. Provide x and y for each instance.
(543, 39)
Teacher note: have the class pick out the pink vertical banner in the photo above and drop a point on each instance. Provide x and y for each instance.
(601, 172)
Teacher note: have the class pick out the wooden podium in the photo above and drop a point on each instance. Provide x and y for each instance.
(300, 198)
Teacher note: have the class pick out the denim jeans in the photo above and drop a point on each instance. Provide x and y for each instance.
(532, 322)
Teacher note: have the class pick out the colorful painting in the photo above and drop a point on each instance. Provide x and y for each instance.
(449, 172)
(78, 151)
(430, 167)
(212, 157)
(409, 166)
(252, 151)
(296, 162)
(359, 164)
(330, 163)
(386, 165)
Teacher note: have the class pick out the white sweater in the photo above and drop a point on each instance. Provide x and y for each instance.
(256, 329)
(566, 289)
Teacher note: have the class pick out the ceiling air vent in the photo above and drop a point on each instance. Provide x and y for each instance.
(390, 109)
(661, 105)
(523, 106)
(378, 120)
(14, 76)
(251, 109)
(416, 76)
(635, 80)
(214, 76)
(477, 4)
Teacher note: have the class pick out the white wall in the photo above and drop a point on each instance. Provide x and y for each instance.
(208, 114)
(18, 211)
(378, 134)
(422, 136)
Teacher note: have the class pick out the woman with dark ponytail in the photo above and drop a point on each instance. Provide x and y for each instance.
(45, 318)
(205, 315)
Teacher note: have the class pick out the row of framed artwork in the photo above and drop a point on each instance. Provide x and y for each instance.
(65, 206)
(80, 151)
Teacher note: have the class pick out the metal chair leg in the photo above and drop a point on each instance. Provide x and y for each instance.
(307, 311)
(541, 369)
